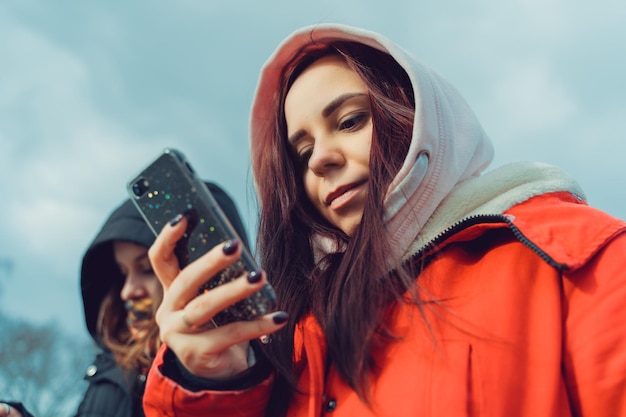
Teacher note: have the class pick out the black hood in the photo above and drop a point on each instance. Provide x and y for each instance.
(99, 273)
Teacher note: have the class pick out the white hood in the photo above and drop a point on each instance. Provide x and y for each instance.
(445, 129)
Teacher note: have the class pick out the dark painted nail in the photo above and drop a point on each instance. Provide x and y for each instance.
(280, 317)
(231, 247)
(176, 220)
(254, 276)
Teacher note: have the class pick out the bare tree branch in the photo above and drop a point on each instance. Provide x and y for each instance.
(42, 367)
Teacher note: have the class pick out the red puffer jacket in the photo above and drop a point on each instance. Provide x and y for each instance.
(529, 321)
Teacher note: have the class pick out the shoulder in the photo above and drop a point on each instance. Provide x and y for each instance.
(565, 227)
(108, 393)
(104, 369)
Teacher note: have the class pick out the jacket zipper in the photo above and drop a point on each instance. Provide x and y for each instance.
(486, 218)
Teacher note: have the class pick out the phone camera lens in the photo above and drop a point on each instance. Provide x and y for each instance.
(140, 187)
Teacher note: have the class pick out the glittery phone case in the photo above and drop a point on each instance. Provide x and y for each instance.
(168, 187)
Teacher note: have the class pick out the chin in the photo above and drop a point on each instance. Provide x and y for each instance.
(350, 228)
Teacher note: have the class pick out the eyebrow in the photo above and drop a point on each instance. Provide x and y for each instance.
(327, 111)
(137, 259)
(336, 103)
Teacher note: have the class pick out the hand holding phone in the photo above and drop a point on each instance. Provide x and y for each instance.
(169, 186)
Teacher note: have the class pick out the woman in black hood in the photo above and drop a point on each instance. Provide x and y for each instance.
(120, 296)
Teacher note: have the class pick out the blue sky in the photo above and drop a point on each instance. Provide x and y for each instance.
(91, 91)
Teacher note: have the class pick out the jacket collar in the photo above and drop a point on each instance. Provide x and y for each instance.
(493, 193)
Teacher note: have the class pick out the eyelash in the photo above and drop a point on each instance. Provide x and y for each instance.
(357, 120)
(303, 158)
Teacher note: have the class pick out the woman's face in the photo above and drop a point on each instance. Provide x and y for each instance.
(329, 126)
(141, 286)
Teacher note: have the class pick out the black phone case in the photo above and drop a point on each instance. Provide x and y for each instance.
(168, 187)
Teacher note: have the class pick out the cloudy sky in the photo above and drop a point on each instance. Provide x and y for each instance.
(91, 91)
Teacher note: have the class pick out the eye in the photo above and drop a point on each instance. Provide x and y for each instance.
(354, 121)
(303, 156)
(123, 270)
(145, 268)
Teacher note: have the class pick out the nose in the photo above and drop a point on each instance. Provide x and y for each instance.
(326, 156)
(134, 287)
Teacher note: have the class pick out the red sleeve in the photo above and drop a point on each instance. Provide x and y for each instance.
(164, 397)
(595, 333)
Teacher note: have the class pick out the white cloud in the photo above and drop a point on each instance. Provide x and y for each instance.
(64, 157)
(32, 66)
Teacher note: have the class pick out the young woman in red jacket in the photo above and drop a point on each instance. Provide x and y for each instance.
(411, 281)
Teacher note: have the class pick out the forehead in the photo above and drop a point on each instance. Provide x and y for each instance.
(330, 65)
(320, 82)
(123, 250)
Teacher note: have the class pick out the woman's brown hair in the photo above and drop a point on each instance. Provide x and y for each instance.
(351, 292)
(133, 353)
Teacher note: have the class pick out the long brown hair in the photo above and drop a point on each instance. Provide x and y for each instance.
(351, 292)
(131, 352)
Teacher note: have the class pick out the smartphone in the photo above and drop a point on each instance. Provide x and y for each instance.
(169, 186)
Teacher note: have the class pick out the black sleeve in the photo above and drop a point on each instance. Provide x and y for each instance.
(176, 371)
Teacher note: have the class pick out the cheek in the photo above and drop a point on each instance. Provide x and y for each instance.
(366, 147)
(311, 187)
(154, 288)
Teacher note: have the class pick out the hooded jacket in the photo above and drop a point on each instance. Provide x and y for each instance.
(524, 281)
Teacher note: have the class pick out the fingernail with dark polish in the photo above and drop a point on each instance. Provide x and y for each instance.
(176, 220)
(254, 276)
(231, 247)
(280, 317)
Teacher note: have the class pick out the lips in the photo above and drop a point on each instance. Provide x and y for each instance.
(139, 316)
(341, 191)
(138, 311)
